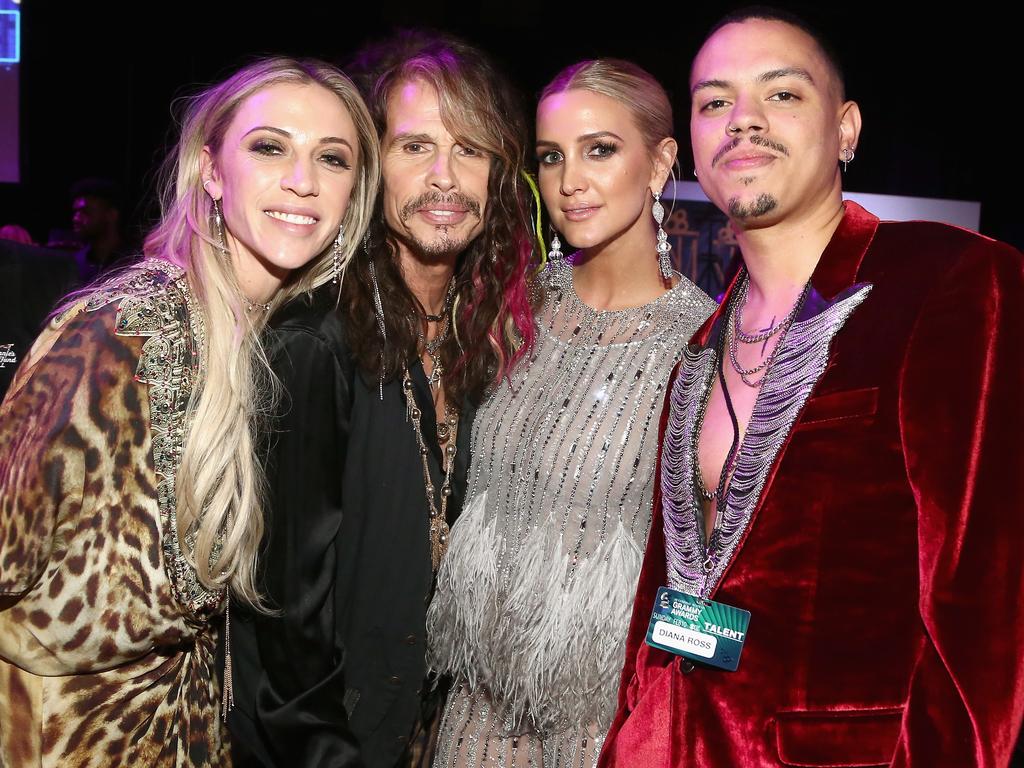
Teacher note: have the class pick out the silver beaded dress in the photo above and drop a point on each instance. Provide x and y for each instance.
(534, 595)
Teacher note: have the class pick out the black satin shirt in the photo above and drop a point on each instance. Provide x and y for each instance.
(337, 678)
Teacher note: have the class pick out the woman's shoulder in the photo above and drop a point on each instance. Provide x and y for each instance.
(145, 279)
(144, 299)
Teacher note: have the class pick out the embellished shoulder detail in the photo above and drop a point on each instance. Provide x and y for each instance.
(155, 301)
(693, 567)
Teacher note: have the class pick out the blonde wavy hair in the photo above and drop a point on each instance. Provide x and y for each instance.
(220, 483)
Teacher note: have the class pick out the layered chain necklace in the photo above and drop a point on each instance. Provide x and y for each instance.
(737, 336)
(433, 347)
(447, 431)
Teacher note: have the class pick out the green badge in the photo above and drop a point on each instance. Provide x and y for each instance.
(701, 630)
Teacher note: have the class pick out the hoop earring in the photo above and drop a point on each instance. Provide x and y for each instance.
(847, 157)
(664, 263)
(336, 254)
(555, 252)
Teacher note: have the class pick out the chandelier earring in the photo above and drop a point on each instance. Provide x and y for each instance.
(339, 241)
(218, 227)
(664, 263)
(555, 252)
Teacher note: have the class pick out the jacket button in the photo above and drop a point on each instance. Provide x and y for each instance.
(410, 640)
(686, 666)
(394, 679)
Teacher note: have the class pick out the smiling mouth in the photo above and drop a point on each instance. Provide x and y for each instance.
(291, 218)
(443, 212)
(443, 217)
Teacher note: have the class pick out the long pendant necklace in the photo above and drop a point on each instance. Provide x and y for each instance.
(438, 521)
(447, 429)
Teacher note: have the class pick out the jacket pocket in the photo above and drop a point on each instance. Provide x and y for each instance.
(839, 406)
(837, 739)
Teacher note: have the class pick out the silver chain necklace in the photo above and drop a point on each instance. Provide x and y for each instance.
(735, 336)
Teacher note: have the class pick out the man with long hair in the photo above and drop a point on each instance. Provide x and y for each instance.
(442, 278)
(368, 469)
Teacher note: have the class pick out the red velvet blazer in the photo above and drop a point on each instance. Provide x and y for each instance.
(884, 563)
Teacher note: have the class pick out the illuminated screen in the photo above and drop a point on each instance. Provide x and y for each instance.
(10, 56)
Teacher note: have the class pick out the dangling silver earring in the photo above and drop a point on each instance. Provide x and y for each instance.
(555, 252)
(378, 309)
(336, 255)
(218, 226)
(664, 263)
(848, 156)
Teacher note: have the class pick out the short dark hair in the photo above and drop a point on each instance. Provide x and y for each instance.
(771, 13)
(107, 190)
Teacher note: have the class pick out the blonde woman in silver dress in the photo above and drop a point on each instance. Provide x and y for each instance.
(534, 595)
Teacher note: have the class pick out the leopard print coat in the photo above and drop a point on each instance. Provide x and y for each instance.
(107, 639)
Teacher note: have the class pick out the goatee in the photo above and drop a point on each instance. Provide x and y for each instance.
(762, 205)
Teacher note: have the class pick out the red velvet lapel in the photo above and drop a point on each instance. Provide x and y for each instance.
(840, 261)
(836, 270)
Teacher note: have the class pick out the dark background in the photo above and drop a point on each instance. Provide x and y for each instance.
(938, 92)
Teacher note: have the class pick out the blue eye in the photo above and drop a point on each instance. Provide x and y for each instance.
(550, 158)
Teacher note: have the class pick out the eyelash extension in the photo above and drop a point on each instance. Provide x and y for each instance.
(605, 147)
(264, 145)
(340, 161)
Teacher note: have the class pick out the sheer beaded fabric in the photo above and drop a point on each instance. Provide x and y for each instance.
(535, 592)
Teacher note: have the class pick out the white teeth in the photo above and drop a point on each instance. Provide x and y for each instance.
(442, 213)
(291, 218)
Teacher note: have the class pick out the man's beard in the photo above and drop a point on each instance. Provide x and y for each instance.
(443, 244)
(441, 247)
(764, 203)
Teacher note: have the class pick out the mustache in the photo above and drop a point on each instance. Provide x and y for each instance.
(435, 198)
(756, 139)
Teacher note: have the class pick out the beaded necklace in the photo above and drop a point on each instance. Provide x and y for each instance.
(447, 431)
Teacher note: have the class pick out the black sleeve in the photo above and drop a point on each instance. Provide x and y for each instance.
(298, 675)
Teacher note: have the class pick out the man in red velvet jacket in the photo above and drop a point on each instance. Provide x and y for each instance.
(842, 456)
